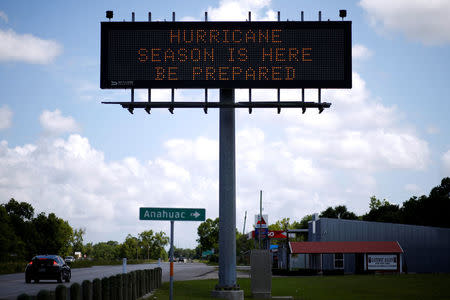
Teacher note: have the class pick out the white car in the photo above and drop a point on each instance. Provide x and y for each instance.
(69, 259)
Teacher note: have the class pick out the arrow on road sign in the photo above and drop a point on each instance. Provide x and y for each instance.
(196, 214)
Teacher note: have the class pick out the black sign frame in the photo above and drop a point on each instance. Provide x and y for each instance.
(106, 27)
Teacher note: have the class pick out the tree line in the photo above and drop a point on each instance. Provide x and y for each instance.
(431, 210)
(23, 235)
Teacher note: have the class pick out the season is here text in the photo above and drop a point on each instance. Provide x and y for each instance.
(225, 55)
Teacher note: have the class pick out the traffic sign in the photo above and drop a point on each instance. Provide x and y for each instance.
(261, 221)
(207, 252)
(172, 214)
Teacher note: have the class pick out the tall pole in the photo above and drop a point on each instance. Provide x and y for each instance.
(260, 217)
(245, 219)
(171, 260)
(227, 193)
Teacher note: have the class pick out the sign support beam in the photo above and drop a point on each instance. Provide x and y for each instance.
(171, 260)
(227, 193)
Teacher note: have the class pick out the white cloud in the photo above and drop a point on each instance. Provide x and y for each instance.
(4, 16)
(361, 52)
(53, 122)
(303, 164)
(233, 10)
(420, 20)
(5, 117)
(446, 163)
(27, 48)
(72, 179)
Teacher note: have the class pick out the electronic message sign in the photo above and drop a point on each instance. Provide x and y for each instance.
(288, 54)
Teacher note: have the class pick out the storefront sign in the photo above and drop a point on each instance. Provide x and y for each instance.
(382, 262)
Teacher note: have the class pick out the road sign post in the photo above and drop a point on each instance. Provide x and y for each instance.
(171, 260)
(172, 215)
(227, 194)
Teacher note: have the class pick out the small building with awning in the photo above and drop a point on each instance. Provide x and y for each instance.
(346, 256)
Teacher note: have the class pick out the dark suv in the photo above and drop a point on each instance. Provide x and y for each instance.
(47, 267)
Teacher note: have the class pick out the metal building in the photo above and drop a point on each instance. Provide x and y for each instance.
(425, 249)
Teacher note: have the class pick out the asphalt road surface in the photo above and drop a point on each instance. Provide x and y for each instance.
(12, 285)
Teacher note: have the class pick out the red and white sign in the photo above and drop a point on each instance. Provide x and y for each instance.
(261, 221)
(274, 234)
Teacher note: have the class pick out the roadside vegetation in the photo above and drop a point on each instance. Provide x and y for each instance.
(24, 234)
(352, 287)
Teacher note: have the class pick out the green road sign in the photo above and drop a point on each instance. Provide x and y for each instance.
(172, 214)
(207, 252)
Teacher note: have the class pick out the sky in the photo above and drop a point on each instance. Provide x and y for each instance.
(94, 165)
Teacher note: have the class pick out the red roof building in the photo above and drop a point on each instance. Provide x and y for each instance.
(346, 257)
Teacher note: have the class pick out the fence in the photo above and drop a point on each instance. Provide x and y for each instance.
(127, 286)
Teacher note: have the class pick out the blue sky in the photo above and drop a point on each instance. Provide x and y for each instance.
(95, 165)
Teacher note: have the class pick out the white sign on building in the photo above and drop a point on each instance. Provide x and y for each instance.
(382, 262)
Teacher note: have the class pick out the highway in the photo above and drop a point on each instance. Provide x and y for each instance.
(12, 285)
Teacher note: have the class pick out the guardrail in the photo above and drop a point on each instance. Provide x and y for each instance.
(125, 286)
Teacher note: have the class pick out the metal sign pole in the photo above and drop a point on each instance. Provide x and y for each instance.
(227, 193)
(260, 218)
(171, 260)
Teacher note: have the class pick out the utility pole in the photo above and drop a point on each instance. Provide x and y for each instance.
(260, 217)
(245, 219)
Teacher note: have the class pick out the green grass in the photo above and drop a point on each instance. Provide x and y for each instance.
(351, 287)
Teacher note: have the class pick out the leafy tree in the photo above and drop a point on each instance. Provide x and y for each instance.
(429, 211)
(243, 243)
(107, 251)
(382, 211)
(77, 242)
(146, 240)
(438, 205)
(180, 252)
(130, 247)
(22, 210)
(88, 249)
(19, 219)
(160, 240)
(8, 240)
(53, 235)
(208, 235)
(283, 224)
(304, 222)
(338, 212)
